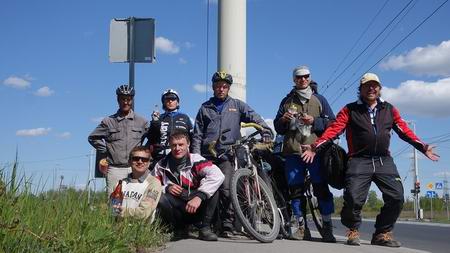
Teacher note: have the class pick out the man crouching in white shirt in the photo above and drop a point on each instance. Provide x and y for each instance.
(190, 184)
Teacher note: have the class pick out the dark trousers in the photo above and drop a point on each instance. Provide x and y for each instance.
(361, 172)
(173, 211)
(226, 213)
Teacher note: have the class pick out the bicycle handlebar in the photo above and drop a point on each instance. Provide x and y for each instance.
(259, 146)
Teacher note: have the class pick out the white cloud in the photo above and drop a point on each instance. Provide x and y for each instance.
(17, 82)
(432, 60)
(33, 132)
(202, 88)
(166, 46)
(421, 98)
(44, 92)
(182, 61)
(65, 135)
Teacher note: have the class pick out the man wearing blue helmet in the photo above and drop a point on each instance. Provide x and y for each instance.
(162, 125)
(117, 135)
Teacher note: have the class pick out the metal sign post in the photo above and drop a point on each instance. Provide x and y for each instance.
(132, 40)
(131, 54)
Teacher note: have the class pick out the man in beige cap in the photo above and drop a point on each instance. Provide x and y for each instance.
(368, 123)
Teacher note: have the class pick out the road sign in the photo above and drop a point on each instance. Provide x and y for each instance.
(430, 186)
(438, 186)
(431, 194)
(136, 46)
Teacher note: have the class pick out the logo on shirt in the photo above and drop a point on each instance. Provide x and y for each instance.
(232, 110)
(132, 195)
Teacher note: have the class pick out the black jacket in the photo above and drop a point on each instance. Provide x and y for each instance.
(160, 130)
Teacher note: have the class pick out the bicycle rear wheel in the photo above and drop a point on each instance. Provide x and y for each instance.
(257, 212)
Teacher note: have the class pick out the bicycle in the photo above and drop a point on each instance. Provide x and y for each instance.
(281, 194)
(251, 197)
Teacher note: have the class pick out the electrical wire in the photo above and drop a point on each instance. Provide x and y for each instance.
(393, 48)
(353, 47)
(376, 47)
(207, 50)
(367, 47)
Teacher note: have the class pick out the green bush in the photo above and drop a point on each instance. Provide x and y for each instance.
(63, 221)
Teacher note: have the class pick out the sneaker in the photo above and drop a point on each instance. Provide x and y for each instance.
(385, 239)
(180, 234)
(297, 230)
(206, 234)
(327, 233)
(353, 237)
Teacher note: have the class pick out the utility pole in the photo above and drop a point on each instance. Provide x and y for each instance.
(232, 44)
(446, 195)
(416, 183)
(91, 178)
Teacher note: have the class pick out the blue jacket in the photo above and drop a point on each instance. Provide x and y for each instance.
(210, 123)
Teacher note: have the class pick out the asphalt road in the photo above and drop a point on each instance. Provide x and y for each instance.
(422, 236)
(416, 238)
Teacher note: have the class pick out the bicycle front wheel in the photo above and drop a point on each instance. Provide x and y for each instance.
(255, 206)
(313, 204)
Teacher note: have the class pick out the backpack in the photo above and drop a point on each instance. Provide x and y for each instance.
(334, 165)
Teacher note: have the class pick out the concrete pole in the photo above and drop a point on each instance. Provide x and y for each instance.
(232, 44)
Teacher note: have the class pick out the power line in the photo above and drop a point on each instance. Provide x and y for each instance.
(367, 47)
(354, 45)
(393, 48)
(376, 47)
(207, 50)
(56, 159)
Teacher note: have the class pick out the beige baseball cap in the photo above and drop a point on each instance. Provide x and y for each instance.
(367, 77)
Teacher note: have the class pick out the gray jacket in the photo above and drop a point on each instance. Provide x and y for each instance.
(210, 123)
(117, 135)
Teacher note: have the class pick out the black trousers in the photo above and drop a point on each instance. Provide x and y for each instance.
(362, 171)
(173, 211)
(226, 213)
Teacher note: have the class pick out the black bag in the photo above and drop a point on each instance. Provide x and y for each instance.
(334, 165)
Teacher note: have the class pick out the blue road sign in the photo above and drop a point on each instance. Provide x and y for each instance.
(438, 186)
(431, 194)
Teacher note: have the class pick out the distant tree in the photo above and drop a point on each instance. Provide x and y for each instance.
(373, 203)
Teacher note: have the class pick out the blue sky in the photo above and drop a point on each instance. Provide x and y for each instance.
(56, 81)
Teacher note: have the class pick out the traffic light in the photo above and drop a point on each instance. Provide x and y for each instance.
(416, 189)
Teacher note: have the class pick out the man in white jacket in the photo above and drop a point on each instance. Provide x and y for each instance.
(141, 190)
(190, 184)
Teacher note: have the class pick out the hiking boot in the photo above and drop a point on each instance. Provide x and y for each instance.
(327, 232)
(385, 239)
(297, 230)
(353, 237)
(180, 234)
(227, 233)
(206, 234)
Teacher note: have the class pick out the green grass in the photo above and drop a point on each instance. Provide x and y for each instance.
(64, 222)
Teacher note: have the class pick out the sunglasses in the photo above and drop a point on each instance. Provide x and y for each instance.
(138, 158)
(300, 77)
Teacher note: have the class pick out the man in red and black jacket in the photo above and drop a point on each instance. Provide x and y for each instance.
(368, 123)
